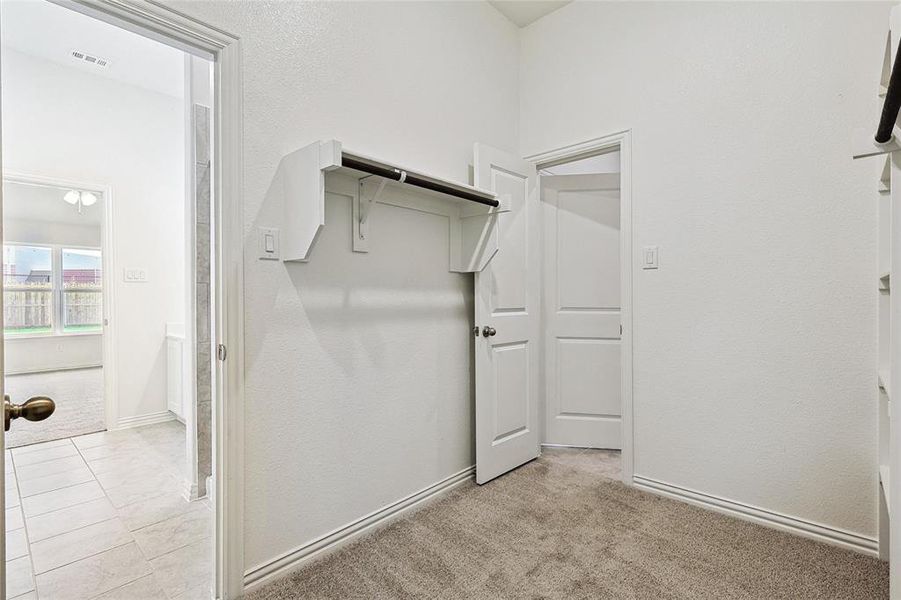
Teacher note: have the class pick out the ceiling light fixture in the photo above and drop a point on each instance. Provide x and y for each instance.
(80, 199)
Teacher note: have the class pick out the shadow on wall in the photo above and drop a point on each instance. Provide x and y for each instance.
(356, 304)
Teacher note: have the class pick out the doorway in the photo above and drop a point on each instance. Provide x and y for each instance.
(582, 303)
(591, 326)
(586, 214)
(119, 290)
(55, 290)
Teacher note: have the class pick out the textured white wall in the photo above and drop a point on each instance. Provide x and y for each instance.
(358, 369)
(755, 341)
(30, 231)
(64, 123)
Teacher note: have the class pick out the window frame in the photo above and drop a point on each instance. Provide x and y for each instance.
(57, 292)
(60, 308)
(12, 335)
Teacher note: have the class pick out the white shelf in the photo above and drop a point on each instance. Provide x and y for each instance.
(472, 222)
(888, 346)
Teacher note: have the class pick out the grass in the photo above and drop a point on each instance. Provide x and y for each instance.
(26, 330)
(77, 328)
(41, 330)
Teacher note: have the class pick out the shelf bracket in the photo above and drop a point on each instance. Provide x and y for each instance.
(863, 144)
(363, 206)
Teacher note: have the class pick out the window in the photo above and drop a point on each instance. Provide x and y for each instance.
(51, 290)
(27, 290)
(82, 277)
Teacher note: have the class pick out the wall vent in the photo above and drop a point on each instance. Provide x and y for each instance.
(90, 58)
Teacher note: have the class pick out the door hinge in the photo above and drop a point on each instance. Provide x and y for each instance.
(221, 352)
(620, 329)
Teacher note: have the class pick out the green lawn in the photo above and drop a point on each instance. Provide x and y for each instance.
(40, 330)
(26, 330)
(81, 328)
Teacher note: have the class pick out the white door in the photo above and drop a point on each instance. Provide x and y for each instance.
(507, 318)
(6, 462)
(581, 215)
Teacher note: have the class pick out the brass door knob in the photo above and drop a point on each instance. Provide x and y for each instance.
(37, 408)
(488, 331)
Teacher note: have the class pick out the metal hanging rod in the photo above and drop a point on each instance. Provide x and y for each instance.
(387, 171)
(892, 103)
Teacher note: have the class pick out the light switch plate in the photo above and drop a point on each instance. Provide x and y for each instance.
(135, 275)
(269, 244)
(649, 257)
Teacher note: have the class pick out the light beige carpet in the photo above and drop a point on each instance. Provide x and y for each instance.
(558, 528)
(78, 394)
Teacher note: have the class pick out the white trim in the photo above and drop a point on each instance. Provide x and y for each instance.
(54, 336)
(189, 355)
(190, 491)
(546, 445)
(142, 420)
(262, 574)
(8, 373)
(623, 141)
(795, 525)
(109, 352)
(181, 31)
(228, 298)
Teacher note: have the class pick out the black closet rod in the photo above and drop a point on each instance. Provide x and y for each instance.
(892, 103)
(412, 179)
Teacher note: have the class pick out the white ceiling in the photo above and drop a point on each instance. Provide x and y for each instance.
(25, 202)
(51, 32)
(524, 12)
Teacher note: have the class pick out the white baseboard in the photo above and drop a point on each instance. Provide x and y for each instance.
(291, 561)
(148, 419)
(795, 525)
(40, 370)
(547, 445)
(190, 490)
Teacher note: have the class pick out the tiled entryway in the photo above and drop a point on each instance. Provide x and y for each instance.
(103, 516)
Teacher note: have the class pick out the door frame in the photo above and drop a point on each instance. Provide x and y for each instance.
(622, 141)
(108, 293)
(224, 50)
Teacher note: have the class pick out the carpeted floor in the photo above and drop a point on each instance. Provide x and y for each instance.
(78, 394)
(559, 527)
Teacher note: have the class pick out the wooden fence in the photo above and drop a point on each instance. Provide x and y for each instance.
(32, 310)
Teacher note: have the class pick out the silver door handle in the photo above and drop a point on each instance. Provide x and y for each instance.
(488, 331)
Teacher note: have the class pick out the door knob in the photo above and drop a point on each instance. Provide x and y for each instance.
(488, 331)
(37, 408)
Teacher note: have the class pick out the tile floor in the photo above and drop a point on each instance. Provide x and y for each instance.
(102, 516)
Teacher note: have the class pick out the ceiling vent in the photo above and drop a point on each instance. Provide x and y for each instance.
(89, 58)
